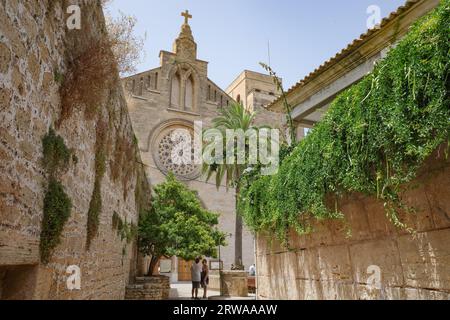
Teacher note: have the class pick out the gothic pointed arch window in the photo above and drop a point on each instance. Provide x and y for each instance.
(175, 91)
(189, 94)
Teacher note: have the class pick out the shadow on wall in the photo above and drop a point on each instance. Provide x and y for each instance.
(17, 282)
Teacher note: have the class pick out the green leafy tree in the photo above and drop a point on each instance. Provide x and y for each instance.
(234, 117)
(178, 225)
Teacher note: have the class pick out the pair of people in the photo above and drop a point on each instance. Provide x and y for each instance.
(200, 277)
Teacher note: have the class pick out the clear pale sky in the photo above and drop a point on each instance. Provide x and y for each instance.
(233, 34)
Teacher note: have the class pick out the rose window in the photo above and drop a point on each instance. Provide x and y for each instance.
(175, 153)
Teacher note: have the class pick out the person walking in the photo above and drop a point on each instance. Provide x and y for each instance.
(205, 278)
(196, 270)
(252, 270)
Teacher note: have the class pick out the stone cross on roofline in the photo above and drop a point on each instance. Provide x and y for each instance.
(186, 16)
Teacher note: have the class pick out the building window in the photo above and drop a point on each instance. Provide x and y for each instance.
(238, 99)
(156, 81)
(175, 91)
(189, 95)
(141, 86)
(209, 93)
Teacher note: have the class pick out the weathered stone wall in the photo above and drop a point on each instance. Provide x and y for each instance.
(329, 265)
(37, 57)
(149, 288)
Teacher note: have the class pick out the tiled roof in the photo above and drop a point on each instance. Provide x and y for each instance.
(352, 46)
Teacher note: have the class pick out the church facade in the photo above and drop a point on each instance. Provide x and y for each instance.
(174, 96)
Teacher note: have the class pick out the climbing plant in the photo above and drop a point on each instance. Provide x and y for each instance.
(125, 230)
(95, 206)
(57, 204)
(374, 138)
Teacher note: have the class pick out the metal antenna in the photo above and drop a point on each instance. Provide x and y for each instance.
(268, 52)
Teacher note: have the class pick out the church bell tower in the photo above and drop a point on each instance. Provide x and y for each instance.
(185, 46)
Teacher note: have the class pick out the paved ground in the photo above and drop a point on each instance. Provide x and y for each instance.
(182, 291)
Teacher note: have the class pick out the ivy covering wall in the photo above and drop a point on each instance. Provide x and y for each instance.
(374, 138)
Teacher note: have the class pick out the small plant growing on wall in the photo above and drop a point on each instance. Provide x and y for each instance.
(95, 206)
(126, 231)
(57, 204)
(373, 140)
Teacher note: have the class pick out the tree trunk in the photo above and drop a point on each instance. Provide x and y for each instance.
(153, 263)
(238, 234)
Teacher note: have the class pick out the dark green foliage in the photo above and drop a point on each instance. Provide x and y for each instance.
(374, 138)
(116, 221)
(57, 207)
(126, 231)
(56, 154)
(178, 225)
(58, 77)
(95, 206)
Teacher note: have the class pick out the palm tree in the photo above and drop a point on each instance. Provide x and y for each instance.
(234, 117)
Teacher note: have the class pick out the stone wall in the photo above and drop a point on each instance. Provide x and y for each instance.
(329, 265)
(39, 89)
(149, 288)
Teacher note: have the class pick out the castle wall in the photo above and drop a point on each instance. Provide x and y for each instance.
(36, 52)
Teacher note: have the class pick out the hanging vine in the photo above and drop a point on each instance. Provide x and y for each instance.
(374, 138)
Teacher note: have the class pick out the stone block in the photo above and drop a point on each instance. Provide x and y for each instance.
(378, 253)
(379, 224)
(16, 249)
(425, 259)
(307, 264)
(334, 264)
(421, 218)
(370, 292)
(356, 223)
(437, 196)
(234, 283)
(309, 290)
(337, 290)
(424, 294)
(288, 265)
(149, 288)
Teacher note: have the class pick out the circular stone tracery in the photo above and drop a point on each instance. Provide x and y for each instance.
(173, 152)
